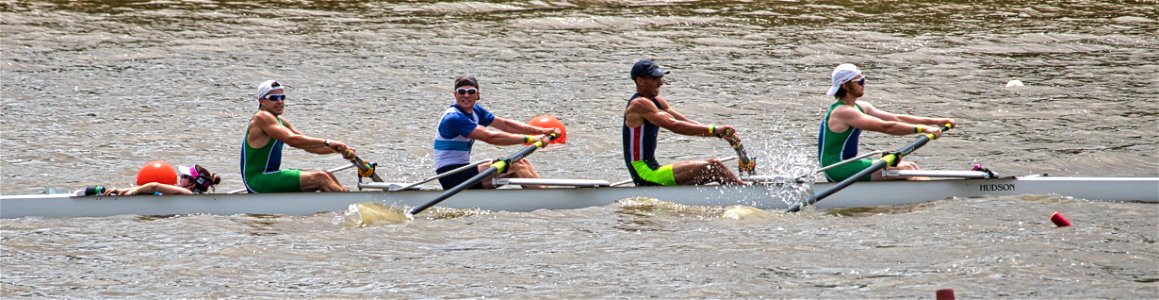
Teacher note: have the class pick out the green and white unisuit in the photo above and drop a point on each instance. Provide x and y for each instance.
(260, 168)
(834, 147)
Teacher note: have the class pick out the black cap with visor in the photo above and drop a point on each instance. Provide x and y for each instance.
(645, 67)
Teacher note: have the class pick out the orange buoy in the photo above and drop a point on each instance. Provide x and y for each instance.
(157, 171)
(547, 121)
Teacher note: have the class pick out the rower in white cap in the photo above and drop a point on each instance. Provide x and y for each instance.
(843, 122)
(261, 150)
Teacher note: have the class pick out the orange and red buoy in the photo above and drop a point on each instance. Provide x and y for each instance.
(157, 171)
(547, 121)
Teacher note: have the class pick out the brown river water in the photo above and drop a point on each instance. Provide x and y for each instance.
(91, 90)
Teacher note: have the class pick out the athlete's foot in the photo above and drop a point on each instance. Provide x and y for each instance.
(733, 181)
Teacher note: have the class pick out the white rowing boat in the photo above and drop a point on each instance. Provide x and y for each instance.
(769, 195)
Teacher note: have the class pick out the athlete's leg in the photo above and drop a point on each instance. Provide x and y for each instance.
(284, 181)
(662, 175)
(523, 169)
(335, 185)
(487, 184)
(704, 171)
(905, 165)
(320, 181)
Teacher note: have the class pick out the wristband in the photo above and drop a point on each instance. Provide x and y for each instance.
(918, 129)
(711, 129)
(526, 139)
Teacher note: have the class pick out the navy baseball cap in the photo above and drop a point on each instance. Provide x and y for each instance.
(645, 67)
(466, 80)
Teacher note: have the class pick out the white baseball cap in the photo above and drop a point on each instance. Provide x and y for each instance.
(267, 87)
(842, 74)
(190, 171)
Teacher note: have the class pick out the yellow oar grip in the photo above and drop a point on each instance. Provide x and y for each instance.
(890, 159)
(933, 137)
(500, 166)
(541, 144)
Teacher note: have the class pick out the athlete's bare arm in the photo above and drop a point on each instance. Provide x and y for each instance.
(495, 137)
(512, 126)
(909, 119)
(641, 109)
(845, 116)
(672, 111)
(268, 125)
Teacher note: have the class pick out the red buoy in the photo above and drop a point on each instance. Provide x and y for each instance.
(157, 171)
(1059, 220)
(944, 294)
(547, 121)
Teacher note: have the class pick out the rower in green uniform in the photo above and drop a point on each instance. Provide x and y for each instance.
(842, 125)
(261, 150)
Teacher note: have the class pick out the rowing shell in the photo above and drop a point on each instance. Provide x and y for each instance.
(764, 196)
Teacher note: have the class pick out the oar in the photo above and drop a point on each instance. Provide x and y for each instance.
(859, 157)
(365, 169)
(814, 172)
(889, 159)
(745, 164)
(331, 170)
(395, 188)
(498, 166)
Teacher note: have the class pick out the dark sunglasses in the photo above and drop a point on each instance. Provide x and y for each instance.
(279, 97)
(466, 91)
(861, 82)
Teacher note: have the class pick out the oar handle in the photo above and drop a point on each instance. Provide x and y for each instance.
(925, 138)
(745, 163)
(525, 152)
(364, 169)
(498, 166)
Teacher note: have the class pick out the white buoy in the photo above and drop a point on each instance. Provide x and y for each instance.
(1014, 83)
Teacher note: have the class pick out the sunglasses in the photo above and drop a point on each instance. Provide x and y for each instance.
(467, 91)
(861, 82)
(278, 97)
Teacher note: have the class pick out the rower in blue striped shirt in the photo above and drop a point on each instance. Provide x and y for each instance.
(466, 121)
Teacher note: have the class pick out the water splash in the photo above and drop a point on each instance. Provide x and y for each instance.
(359, 215)
(743, 212)
(793, 166)
(656, 208)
